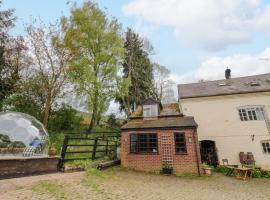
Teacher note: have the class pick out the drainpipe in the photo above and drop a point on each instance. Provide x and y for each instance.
(196, 151)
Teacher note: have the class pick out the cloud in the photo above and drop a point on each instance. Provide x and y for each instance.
(209, 24)
(213, 68)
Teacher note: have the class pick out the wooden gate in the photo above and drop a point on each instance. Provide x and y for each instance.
(84, 146)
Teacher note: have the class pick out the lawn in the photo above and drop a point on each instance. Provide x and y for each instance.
(120, 184)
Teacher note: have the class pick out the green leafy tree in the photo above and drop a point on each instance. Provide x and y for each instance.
(96, 49)
(21, 102)
(65, 118)
(139, 69)
(13, 56)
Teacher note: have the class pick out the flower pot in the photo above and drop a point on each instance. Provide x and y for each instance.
(207, 171)
(52, 152)
(167, 171)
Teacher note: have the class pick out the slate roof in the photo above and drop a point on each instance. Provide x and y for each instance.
(241, 85)
(164, 122)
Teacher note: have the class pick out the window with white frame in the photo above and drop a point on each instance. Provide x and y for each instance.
(266, 146)
(251, 113)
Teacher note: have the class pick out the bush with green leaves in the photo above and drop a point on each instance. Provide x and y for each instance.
(265, 173)
(65, 119)
(17, 144)
(256, 173)
(56, 139)
(4, 138)
(3, 144)
(221, 169)
(23, 103)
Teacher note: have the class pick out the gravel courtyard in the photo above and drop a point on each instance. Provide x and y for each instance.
(120, 184)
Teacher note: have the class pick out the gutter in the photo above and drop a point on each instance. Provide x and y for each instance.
(197, 153)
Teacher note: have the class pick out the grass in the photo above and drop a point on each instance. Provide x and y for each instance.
(94, 179)
(52, 189)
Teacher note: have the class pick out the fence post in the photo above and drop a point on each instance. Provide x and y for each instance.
(63, 152)
(107, 143)
(116, 144)
(94, 149)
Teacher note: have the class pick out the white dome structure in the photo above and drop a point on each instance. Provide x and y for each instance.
(23, 131)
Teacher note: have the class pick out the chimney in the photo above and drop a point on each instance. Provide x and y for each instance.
(227, 73)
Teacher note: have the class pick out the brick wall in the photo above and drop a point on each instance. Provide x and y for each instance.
(182, 163)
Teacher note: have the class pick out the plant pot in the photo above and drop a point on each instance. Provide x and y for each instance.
(52, 152)
(207, 171)
(167, 171)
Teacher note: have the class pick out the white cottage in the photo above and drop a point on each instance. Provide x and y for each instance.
(233, 117)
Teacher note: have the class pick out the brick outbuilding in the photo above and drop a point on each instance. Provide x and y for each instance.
(158, 134)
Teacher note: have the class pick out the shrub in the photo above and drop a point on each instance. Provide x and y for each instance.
(221, 169)
(17, 144)
(3, 145)
(57, 139)
(256, 173)
(265, 173)
(65, 119)
(4, 138)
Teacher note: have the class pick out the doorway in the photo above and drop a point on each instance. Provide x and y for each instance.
(209, 152)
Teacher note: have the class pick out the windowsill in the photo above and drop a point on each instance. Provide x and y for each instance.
(181, 154)
(144, 154)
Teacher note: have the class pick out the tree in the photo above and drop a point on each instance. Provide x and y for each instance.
(65, 118)
(50, 64)
(96, 48)
(161, 74)
(13, 56)
(163, 84)
(139, 69)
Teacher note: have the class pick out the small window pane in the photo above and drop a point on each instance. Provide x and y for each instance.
(180, 143)
(266, 146)
(145, 143)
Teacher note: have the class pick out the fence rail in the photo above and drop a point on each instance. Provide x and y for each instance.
(84, 146)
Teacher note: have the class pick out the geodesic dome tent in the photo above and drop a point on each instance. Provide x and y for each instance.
(22, 135)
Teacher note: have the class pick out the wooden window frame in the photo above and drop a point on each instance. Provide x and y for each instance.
(148, 147)
(265, 150)
(185, 143)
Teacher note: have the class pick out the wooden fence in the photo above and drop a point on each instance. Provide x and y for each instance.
(84, 146)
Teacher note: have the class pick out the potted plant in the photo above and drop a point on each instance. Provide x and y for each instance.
(167, 168)
(207, 170)
(52, 150)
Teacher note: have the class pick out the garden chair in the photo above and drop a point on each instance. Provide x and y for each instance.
(36, 146)
(230, 168)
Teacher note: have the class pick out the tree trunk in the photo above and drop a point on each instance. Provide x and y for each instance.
(126, 105)
(47, 109)
(94, 113)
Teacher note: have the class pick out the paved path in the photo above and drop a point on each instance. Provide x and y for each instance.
(128, 185)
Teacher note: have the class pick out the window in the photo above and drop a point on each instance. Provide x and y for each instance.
(180, 143)
(143, 143)
(150, 110)
(266, 146)
(251, 113)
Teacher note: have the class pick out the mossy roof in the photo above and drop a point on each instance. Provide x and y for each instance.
(170, 116)
(160, 122)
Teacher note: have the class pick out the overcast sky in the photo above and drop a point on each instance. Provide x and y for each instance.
(195, 39)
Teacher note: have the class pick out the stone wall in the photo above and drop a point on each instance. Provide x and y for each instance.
(12, 167)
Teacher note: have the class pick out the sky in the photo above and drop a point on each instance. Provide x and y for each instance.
(194, 39)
